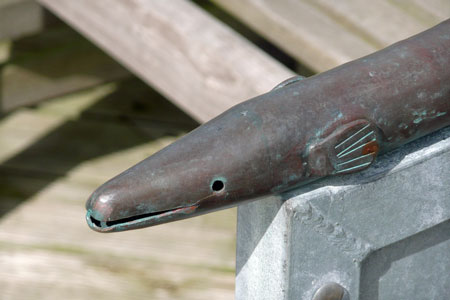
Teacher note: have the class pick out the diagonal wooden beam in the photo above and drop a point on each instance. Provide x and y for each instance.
(191, 58)
(323, 34)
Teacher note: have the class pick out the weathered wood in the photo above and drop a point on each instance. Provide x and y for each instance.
(378, 22)
(45, 245)
(52, 157)
(323, 34)
(195, 61)
(111, 110)
(56, 274)
(19, 18)
(53, 63)
(425, 10)
(302, 30)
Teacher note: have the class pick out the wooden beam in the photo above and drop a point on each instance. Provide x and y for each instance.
(378, 22)
(439, 8)
(323, 34)
(427, 11)
(190, 57)
(302, 30)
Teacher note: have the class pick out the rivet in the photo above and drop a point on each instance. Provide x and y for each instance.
(331, 291)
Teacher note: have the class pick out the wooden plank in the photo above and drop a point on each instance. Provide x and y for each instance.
(323, 34)
(137, 108)
(52, 149)
(56, 62)
(378, 22)
(33, 273)
(302, 30)
(60, 205)
(427, 11)
(46, 245)
(19, 18)
(192, 59)
(439, 8)
(99, 114)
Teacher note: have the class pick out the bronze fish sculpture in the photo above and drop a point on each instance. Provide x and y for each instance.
(333, 123)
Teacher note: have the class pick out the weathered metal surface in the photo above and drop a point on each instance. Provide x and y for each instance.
(332, 123)
(382, 234)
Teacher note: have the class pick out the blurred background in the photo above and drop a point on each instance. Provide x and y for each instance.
(89, 88)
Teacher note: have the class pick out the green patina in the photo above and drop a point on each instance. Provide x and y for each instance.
(417, 120)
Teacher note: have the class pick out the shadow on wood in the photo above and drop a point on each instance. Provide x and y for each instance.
(55, 62)
(143, 116)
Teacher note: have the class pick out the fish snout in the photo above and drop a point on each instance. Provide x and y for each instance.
(124, 204)
(101, 207)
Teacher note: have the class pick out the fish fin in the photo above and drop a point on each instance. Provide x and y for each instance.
(352, 147)
(288, 82)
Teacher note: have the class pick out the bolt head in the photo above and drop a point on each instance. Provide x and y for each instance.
(331, 291)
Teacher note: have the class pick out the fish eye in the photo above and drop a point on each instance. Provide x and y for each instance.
(217, 185)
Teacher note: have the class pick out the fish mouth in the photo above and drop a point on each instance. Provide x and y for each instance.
(139, 221)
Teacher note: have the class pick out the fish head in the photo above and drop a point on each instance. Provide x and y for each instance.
(230, 159)
(255, 149)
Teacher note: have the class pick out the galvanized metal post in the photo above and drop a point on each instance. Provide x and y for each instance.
(380, 234)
